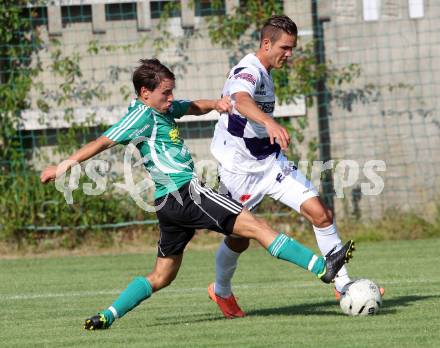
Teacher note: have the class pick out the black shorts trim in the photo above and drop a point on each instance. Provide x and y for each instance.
(222, 200)
(193, 206)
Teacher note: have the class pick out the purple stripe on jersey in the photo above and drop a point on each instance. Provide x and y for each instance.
(236, 125)
(261, 148)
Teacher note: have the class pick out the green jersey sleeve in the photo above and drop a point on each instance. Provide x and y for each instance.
(129, 127)
(179, 108)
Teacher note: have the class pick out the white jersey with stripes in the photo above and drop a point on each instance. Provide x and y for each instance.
(240, 144)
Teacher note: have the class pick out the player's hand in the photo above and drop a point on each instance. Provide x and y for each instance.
(223, 105)
(275, 131)
(48, 174)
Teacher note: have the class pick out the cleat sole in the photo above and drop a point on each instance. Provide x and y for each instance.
(350, 250)
(89, 325)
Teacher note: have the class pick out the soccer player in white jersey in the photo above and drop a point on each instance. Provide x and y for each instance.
(252, 164)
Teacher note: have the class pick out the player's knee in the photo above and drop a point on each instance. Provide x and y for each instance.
(323, 218)
(237, 244)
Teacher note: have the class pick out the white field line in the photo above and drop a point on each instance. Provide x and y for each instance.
(20, 297)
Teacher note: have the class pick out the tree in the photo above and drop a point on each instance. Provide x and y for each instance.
(19, 41)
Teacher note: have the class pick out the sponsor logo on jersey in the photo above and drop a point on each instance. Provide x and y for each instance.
(247, 77)
(174, 135)
(266, 107)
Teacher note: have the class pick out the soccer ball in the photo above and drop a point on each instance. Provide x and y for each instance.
(361, 297)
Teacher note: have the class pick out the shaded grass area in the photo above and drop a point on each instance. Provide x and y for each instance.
(45, 301)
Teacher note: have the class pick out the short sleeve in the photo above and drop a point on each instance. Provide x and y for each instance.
(244, 79)
(128, 127)
(179, 108)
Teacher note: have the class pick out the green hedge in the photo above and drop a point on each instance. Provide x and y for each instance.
(26, 205)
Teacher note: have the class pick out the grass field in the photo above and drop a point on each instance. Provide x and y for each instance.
(44, 302)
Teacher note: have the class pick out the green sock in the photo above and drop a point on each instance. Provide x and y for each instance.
(288, 249)
(138, 290)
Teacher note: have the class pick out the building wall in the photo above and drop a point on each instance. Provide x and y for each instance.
(402, 127)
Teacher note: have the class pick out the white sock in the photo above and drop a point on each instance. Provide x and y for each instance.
(327, 238)
(225, 265)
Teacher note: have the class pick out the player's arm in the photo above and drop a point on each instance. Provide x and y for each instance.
(246, 106)
(203, 106)
(84, 153)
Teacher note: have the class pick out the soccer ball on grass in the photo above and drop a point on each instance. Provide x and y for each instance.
(361, 297)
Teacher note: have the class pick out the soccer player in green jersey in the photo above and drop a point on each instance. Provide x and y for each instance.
(182, 203)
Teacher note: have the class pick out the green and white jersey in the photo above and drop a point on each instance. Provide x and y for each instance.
(157, 138)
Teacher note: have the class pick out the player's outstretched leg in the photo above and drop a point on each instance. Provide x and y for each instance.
(288, 249)
(326, 269)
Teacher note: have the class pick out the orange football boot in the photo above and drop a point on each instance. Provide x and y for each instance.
(228, 305)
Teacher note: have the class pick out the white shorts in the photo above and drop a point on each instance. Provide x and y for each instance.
(283, 182)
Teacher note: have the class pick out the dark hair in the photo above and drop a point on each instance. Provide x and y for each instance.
(275, 26)
(149, 74)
